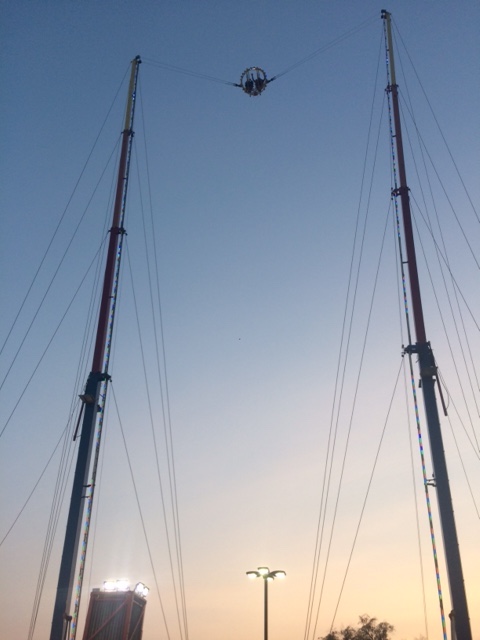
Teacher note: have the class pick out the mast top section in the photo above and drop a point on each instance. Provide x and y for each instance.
(387, 16)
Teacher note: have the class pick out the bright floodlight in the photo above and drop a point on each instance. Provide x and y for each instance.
(109, 585)
(253, 574)
(141, 589)
(116, 585)
(268, 576)
(122, 585)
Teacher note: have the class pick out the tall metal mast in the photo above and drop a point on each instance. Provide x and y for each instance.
(428, 376)
(96, 378)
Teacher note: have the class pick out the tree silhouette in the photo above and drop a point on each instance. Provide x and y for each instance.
(368, 629)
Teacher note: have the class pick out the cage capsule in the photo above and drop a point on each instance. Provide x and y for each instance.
(253, 81)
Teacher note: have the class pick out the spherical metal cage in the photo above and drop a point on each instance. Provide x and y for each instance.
(253, 81)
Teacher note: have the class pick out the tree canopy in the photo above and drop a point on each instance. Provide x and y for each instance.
(367, 629)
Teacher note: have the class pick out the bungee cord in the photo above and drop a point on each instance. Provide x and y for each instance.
(187, 72)
(366, 23)
(254, 80)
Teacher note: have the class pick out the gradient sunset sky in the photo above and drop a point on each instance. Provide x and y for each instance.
(255, 203)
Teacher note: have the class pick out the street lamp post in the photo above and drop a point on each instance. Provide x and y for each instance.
(268, 576)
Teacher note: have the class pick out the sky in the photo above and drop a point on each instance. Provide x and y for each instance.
(254, 202)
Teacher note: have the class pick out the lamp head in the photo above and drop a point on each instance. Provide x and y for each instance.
(122, 585)
(109, 585)
(279, 574)
(116, 585)
(141, 589)
(253, 574)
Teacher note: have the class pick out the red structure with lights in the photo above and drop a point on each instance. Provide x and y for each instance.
(115, 615)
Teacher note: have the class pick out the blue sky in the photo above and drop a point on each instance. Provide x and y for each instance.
(255, 202)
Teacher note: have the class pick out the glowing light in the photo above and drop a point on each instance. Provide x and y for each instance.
(116, 585)
(109, 585)
(141, 589)
(123, 585)
(253, 574)
(266, 574)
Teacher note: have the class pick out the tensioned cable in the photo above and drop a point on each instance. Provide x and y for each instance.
(140, 511)
(195, 74)
(444, 258)
(314, 54)
(459, 417)
(57, 500)
(166, 405)
(402, 311)
(410, 358)
(447, 338)
(87, 516)
(325, 47)
(427, 497)
(94, 306)
(454, 281)
(338, 387)
(88, 510)
(59, 491)
(472, 495)
(352, 413)
(155, 445)
(66, 459)
(367, 493)
(163, 388)
(100, 453)
(44, 352)
(64, 255)
(63, 214)
(437, 123)
(417, 507)
(71, 414)
(475, 259)
(22, 509)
